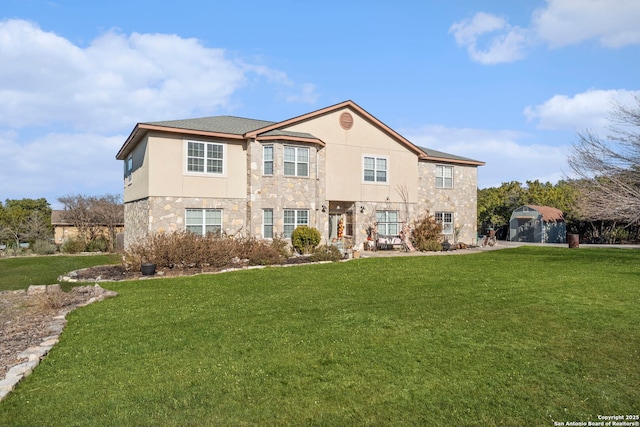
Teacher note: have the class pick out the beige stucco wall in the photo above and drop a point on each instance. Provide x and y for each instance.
(137, 187)
(159, 169)
(345, 150)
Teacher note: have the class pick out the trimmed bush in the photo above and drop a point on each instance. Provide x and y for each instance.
(304, 239)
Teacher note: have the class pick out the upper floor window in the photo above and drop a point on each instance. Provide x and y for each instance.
(296, 161)
(444, 176)
(446, 220)
(294, 218)
(267, 159)
(375, 169)
(128, 168)
(205, 157)
(203, 221)
(387, 222)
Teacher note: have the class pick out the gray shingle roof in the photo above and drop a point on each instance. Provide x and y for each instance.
(442, 155)
(279, 132)
(222, 124)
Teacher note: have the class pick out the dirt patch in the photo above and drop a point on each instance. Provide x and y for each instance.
(27, 317)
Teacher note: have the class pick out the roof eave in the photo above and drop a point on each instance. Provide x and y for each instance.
(291, 138)
(455, 161)
(133, 138)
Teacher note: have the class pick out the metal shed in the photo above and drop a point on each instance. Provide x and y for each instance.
(537, 224)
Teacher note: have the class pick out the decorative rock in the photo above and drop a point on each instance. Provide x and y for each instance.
(54, 288)
(36, 289)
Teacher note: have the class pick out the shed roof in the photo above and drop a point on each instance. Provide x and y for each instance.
(548, 213)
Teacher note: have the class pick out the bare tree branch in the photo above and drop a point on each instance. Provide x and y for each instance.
(610, 169)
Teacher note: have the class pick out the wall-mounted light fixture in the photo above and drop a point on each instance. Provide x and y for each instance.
(361, 209)
(324, 208)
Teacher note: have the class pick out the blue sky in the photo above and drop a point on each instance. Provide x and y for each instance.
(508, 83)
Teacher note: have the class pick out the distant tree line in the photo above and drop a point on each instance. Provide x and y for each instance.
(602, 203)
(27, 222)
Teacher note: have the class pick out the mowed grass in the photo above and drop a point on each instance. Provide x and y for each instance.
(515, 337)
(22, 272)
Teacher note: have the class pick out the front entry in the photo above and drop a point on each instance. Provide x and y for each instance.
(340, 220)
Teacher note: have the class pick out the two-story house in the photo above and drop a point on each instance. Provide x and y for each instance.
(338, 169)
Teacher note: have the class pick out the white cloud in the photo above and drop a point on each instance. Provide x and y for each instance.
(85, 100)
(587, 110)
(507, 158)
(506, 46)
(57, 164)
(613, 23)
(117, 80)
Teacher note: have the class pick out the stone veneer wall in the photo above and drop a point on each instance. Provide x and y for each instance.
(167, 214)
(461, 199)
(278, 192)
(136, 218)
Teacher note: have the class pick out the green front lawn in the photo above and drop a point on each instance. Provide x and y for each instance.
(22, 272)
(514, 337)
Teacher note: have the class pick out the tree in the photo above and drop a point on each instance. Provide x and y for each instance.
(25, 220)
(610, 168)
(496, 204)
(91, 215)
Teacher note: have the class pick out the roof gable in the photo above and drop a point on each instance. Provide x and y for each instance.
(327, 110)
(242, 129)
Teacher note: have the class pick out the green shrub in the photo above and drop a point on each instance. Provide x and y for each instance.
(431, 246)
(99, 244)
(73, 246)
(326, 253)
(304, 239)
(43, 247)
(426, 234)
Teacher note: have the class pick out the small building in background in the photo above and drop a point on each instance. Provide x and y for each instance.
(537, 224)
(63, 230)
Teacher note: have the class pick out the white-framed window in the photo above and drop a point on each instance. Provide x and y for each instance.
(267, 160)
(387, 222)
(375, 169)
(205, 157)
(446, 220)
(296, 161)
(203, 221)
(267, 223)
(444, 176)
(294, 218)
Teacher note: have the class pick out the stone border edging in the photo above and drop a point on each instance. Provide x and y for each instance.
(35, 354)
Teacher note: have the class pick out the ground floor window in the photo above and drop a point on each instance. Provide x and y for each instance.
(294, 218)
(446, 220)
(203, 221)
(267, 223)
(387, 222)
